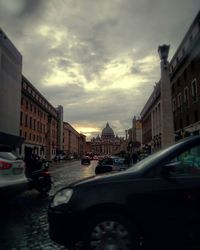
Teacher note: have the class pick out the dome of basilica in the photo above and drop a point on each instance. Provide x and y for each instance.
(107, 132)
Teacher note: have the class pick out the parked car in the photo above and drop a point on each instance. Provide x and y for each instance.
(154, 203)
(12, 173)
(59, 157)
(85, 160)
(109, 164)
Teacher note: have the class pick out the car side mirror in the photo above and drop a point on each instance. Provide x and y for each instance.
(169, 169)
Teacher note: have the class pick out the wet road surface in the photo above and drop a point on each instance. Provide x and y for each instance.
(23, 220)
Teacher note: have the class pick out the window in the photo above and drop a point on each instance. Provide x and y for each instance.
(25, 135)
(179, 101)
(186, 98)
(30, 136)
(173, 88)
(179, 82)
(38, 126)
(185, 74)
(26, 104)
(30, 122)
(174, 105)
(20, 132)
(187, 163)
(35, 110)
(34, 123)
(21, 118)
(194, 91)
(26, 120)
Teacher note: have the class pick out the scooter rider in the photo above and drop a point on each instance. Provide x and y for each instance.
(32, 162)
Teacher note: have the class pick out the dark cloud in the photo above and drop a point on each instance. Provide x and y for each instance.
(63, 64)
(83, 38)
(135, 70)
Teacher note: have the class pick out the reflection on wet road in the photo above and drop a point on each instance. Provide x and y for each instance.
(24, 218)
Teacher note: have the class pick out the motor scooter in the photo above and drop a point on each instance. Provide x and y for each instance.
(40, 179)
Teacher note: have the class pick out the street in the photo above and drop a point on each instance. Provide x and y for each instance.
(24, 219)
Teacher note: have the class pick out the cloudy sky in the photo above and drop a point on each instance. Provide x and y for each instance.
(96, 58)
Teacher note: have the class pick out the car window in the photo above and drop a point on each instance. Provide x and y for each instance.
(187, 163)
(7, 156)
(118, 161)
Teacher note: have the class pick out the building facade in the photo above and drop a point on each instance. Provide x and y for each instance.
(10, 91)
(151, 120)
(135, 135)
(108, 143)
(185, 83)
(73, 142)
(38, 122)
(173, 109)
(156, 116)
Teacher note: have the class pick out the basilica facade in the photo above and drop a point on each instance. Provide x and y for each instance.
(108, 143)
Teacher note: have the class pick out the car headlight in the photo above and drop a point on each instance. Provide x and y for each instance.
(62, 197)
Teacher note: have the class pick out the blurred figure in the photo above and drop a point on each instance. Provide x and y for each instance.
(31, 160)
(135, 157)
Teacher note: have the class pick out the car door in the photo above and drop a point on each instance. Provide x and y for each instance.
(175, 199)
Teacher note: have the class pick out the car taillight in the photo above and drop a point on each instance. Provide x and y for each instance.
(5, 165)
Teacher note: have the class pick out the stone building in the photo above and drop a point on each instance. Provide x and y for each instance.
(150, 119)
(74, 143)
(173, 109)
(185, 83)
(156, 116)
(10, 92)
(107, 143)
(135, 135)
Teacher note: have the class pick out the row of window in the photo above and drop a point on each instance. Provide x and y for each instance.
(182, 102)
(40, 99)
(184, 49)
(184, 123)
(33, 137)
(33, 108)
(32, 123)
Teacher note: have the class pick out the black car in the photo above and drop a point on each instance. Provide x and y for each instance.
(85, 160)
(155, 203)
(110, 164)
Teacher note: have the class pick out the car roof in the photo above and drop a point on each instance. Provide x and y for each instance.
(5, 148)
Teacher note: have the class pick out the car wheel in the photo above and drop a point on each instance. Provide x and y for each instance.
(110, 232)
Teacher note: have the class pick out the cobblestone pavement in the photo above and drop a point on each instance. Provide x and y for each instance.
(23, 220)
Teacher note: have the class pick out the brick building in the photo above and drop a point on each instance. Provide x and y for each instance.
(185, 83)
(38, 122)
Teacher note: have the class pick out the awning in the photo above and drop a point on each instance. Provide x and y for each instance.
(11, 140)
